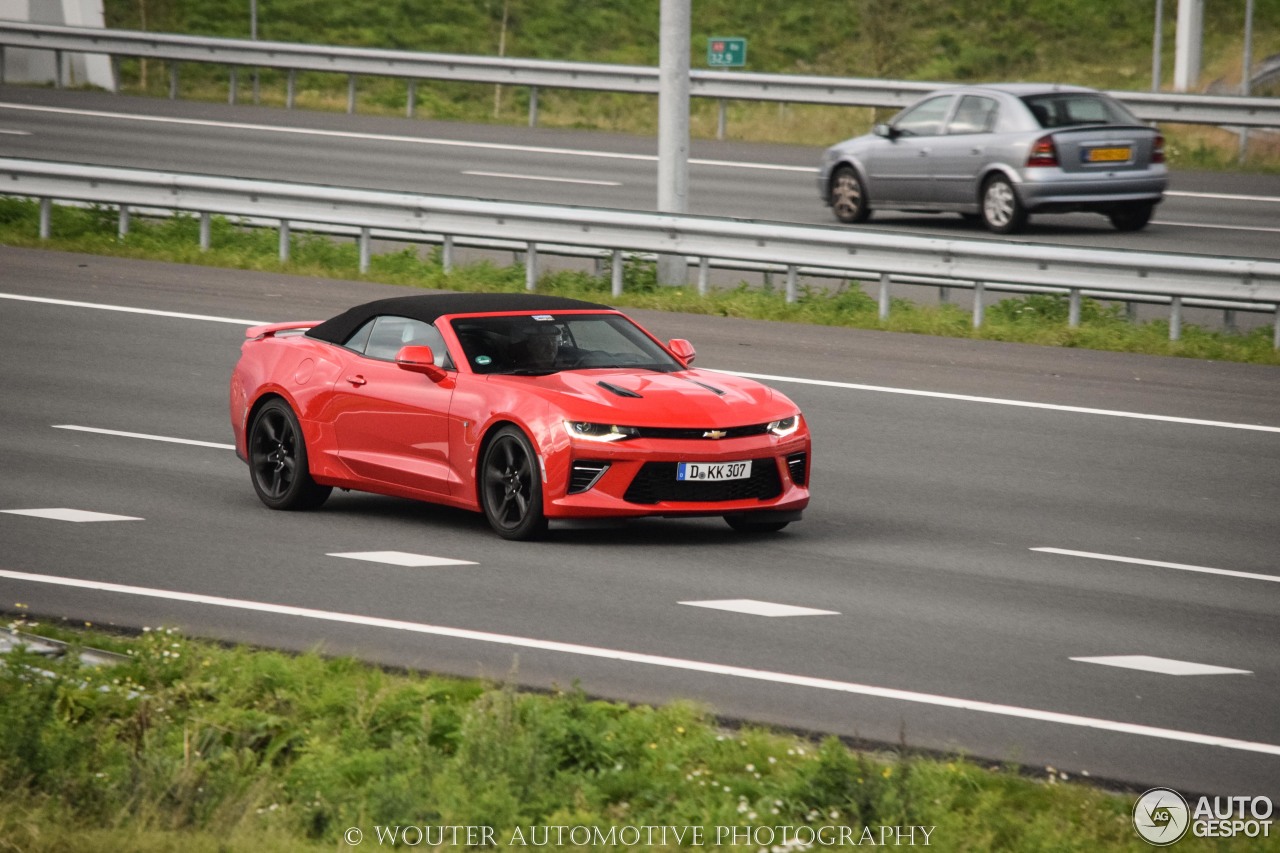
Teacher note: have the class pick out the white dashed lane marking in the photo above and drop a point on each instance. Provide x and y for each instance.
(1159, 564)
(64, 514)
(402, 558)
(759, 608)
(1163, 666)
(146, 437)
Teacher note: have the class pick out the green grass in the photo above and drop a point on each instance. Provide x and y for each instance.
(1033, 319)
(192, 746)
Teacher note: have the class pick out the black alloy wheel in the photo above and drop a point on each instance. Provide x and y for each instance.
(511, 486)
(278, 460)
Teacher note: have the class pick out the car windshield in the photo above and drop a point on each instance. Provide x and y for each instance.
(1063, 109)
(539, 344)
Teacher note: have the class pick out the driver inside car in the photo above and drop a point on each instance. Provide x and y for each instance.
(540, 348)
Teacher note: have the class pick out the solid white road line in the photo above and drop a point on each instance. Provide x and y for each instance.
(145, 436)
(402, 558)
(759, 608)
(1162, 666)
(515, 177)
(1160, 564)
(76, 515)
(950, 702)
(828, 383)
(1002, 402)
(149, 311)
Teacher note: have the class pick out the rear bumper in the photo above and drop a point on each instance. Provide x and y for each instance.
(1049, 190)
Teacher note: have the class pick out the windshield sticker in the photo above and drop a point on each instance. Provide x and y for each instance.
(483, 360)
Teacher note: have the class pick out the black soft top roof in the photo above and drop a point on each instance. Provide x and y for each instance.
(427, 307)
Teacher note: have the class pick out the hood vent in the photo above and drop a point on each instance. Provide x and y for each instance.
(614, 389)
(719, 392)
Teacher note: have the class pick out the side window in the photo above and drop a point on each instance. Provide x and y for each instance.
(925, 118)
(975, 114)
(383, 337)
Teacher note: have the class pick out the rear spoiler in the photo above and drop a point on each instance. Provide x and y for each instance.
(260, 332)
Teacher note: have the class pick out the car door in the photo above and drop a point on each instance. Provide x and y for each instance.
(898, 168)
(960, 152)
(392, 425)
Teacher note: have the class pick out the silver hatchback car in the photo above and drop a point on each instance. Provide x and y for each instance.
(1001, 153)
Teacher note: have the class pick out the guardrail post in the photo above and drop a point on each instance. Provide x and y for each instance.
(1175, 319)
(792, 296)
(944, 295)
(1275, 337)
(884, 296)
(446, 254)
(291, 89)
(46, 213)
(284, 241)
(231, 89)
(1073, 308)
(57, 69)
(615, 272)
(720, 119)
(411, 99)
(351, 94)
(1131, 311)
(364, 250)
(533, 106)
(206, 230)
(1229, 321)
(2, 64)
(173, 81)
(531, 267)
(122, 224)
(978, 289)
(704, 275)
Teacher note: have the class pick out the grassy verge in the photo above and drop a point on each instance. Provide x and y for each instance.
(194, 746)
(1039, 319)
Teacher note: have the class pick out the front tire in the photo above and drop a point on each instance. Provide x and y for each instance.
(278, 460)
(849, 196)
(511, 486)
(1002, 212)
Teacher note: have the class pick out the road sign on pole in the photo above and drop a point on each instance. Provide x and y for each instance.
(726, 52)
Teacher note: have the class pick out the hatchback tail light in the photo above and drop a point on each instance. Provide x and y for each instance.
(1157, 149)
(1043, 153)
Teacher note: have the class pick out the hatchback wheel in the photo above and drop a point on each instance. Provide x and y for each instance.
(511, 486)
(848, 196)
(278, 460)
(1131, 217)
(1002, 212)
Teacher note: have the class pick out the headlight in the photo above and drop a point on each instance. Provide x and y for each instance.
(785, 427)
(600, 432)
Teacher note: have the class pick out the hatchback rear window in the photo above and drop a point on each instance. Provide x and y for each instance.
(1064, 109)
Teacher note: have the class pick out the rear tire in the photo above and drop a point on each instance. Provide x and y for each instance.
(1131, 217)
(1002, 212)
(278, 460)
(849, 196)
(511, 486)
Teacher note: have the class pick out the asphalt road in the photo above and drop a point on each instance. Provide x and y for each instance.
(941, 466)
(1203, 213)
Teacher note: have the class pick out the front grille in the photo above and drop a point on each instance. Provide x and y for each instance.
(701, 433)
(798, 468)
(584, 475)
(657, 482)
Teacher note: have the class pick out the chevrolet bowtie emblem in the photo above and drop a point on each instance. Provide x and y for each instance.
(715, 433)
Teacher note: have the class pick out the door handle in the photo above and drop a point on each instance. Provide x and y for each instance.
(357, 380)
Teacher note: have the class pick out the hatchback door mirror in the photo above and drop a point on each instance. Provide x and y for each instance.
(682, 350)
(419, 359)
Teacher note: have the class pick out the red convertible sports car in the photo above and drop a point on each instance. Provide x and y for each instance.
(520, 406)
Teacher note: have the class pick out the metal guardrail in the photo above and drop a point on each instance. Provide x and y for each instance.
(533, 73)
(1245, 284)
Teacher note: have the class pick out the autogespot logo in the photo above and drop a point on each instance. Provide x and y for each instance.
(1161, 816)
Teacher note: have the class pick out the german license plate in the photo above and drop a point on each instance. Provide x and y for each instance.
(1108, 155)
(704, 471)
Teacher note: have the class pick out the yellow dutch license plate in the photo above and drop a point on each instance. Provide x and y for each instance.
(1109, 155)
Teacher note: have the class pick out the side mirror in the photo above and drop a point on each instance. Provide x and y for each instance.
(682, 350)
(884, 130)
(419, 359)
